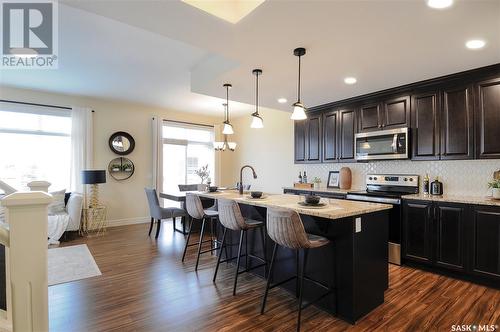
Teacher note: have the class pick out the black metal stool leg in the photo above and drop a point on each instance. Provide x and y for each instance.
(200, 243)
(220, 254)
(269, 277)
(264, 254)
(187, 240)
(297, 268)
(151, 226)
(173, 223)
(301, 290)
(246, 252)
(158, 228)
(242, 232)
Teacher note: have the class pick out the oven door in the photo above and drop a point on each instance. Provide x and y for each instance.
(384, 144)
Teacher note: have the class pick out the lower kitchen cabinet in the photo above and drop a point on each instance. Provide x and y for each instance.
(462, 239)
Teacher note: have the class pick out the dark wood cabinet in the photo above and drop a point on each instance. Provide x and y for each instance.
(330, 136)
(300, 141)
(487, 113)
(308, 139)
(425, 126)
(457, 131)
(417, 235)
(450, 238)
(388, 114)
(347, 129)
(485, 240)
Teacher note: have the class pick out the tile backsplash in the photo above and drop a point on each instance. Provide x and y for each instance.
(459, 177)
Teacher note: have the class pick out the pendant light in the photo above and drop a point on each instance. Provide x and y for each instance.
(256, 118)
(228, 127)
(222, 146)
(299, 111)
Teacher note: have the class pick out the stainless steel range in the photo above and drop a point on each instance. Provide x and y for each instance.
(388, 188)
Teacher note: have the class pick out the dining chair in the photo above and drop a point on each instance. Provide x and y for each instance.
(159, 213)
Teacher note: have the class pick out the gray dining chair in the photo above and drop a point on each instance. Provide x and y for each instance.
(159, 213)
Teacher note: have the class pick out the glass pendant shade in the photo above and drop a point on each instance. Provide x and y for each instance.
(256, 121)
(227, 129)
(299, 112)
(218, 146)
(231, 145)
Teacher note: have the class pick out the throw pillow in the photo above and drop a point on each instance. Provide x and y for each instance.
(57, 205)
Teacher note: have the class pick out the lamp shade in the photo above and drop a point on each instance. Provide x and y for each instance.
(93, 176)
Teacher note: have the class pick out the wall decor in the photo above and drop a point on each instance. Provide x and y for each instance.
(121, 168)
(121, 143)
(333, 179)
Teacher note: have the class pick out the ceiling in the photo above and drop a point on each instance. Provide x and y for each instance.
(170, 54)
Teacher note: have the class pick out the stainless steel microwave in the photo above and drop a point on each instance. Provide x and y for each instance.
(383, 144)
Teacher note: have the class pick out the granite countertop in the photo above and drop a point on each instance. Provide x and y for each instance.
(335, 208)
(479, 200)
(323, 190)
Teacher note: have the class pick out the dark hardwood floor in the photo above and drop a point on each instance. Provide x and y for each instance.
(145, 287)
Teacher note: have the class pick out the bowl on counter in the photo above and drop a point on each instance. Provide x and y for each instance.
(312, 199)
(213, 189)
(256, 194)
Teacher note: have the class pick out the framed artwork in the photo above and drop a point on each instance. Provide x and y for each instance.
(333, 179)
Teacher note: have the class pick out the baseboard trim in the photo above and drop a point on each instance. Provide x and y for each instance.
(128, 221)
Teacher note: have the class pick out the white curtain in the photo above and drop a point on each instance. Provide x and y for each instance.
(157, 128)
(81, 147)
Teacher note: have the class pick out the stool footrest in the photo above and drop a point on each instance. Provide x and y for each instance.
(318, 283)
(305, 305)
(282, 282)
(252, 268)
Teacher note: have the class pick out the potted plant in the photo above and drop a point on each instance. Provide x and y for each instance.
(495, 188)
(317, 182)
(127, 167)
(203, 173)
(116, 168)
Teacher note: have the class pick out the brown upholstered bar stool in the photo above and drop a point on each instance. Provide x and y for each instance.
(285, 228)
(231, 218)
(196, 212)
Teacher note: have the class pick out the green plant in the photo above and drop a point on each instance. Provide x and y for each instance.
(203, 173)
(115, 167)
(494, 184)
(126, 166)
(316, 180)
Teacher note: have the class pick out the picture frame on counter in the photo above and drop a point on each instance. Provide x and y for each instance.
(333, 179)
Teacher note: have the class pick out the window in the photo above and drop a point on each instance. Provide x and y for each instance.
(186, 148)
(35, 144)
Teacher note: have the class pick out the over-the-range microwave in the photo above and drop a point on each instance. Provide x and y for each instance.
(382, 144)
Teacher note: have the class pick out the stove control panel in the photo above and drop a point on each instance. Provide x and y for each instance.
(406, 180)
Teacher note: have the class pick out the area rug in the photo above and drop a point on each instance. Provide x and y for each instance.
(71, 263)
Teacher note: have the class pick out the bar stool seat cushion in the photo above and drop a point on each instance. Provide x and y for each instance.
(211, 213)
(253, 223)
(316, 241)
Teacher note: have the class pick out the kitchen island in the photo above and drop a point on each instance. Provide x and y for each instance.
(355, 263)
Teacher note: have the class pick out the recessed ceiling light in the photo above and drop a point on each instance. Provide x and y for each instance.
(350, 80)
(282, 100)
(475, 44)
(439, 4)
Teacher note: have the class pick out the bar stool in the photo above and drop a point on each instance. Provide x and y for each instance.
(195, 210)
(230, 217)
(285, 228)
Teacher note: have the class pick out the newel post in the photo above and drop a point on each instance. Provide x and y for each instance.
(27, 218)
(39, 186)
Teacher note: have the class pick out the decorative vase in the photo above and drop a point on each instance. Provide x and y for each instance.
(316, 185)
(496, 193)
(345, 178)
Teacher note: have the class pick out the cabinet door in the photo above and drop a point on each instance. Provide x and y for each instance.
(425, 126)
(330, 134)
(417, 234)
(456, 123)
(347, 129)
(487, 113)
(300, 141)
(396, 113)
(485, 253)
(313, 138)
(369, 117)
(450, 235)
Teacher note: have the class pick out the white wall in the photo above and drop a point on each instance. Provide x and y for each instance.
(270, 150)
(125, 200)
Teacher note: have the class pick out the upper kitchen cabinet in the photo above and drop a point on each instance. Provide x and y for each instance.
(425, 126)
(347, 129)
(330, 136)
(308, 139)
(387, 114)
(487, 114)
(457, 132)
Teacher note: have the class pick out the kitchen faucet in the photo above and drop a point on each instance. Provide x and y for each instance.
(241, 177)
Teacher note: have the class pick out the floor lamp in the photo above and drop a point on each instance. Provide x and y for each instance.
(94, 177)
